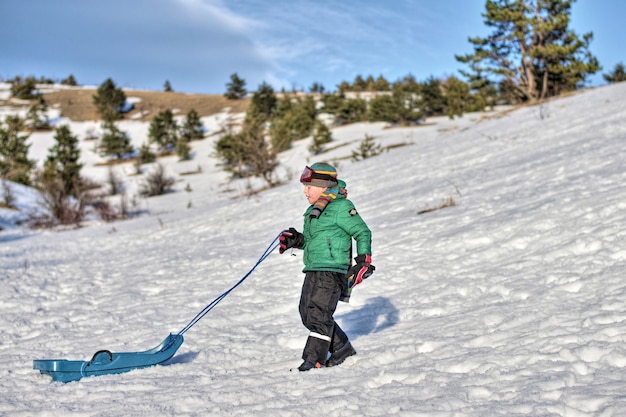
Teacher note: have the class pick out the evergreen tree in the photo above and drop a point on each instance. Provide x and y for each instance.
(114, 141)
(236, 88)
(192, 128)
(167, 87)
(109, 100)
(351, 111)
(263, 103)
(359, 84)
(457, 97)
(433, 103)
(280, 134)
(408, 102)
(533, 48)
(381, 84)
(399, 107)
(332, 102)
(344, 87)
(617, 75)
(367, 149)
(70, 80)
(25, 89)
(284, 105)
(293, 120)
(508, 92)
(37, 116)
(408, 84)
(163, 131)
(62, 161)
(321, 137)
(145, 155)
(247, 153)
(14, 163)
(183, 150)
(316, 88)
(382, 108)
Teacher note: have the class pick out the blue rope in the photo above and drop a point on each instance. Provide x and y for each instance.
(272, 246)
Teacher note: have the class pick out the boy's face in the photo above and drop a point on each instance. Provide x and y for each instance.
(312, 193)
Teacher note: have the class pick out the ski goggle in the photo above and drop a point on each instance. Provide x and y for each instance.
(309, 175)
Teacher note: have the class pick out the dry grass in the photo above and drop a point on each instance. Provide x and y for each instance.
(448, 202)
(77, 103)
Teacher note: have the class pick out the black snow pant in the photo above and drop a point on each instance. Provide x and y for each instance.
(320, 294)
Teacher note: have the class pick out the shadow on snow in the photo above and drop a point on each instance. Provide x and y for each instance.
(376, 315)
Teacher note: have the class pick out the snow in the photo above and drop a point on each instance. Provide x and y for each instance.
(510, 303)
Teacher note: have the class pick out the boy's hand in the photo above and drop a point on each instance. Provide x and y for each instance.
(362, 270)
(290, 239)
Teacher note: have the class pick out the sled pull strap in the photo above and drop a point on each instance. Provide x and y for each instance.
(272, 246)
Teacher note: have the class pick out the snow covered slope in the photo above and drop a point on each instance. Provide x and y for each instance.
(510, 303)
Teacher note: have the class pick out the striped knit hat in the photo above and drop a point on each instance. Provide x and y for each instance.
(320, 174)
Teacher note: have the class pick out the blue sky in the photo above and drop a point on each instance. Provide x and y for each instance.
(198, 44)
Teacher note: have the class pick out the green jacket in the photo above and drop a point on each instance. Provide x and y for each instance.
(328, 239)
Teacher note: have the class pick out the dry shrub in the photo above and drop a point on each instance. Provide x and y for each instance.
(105, 211)
(156, 183)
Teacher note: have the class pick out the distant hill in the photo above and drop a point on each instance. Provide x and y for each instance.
(77, 103)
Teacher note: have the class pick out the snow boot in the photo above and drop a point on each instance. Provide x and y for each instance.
(341, 355)
(308, 365)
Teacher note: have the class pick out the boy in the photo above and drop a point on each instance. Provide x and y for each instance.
(330, 224)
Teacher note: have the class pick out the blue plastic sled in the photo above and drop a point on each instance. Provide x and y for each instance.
(106, 362)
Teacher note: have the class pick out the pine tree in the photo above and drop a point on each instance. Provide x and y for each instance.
(321, 137)
(192, 128)
(37, 116)
(14, 163)
(109, 100)
(381, 84)
(295, 118)
(367, 149)
(114, 141)
(70, 80)
(399, 107)
(457, 97)
(332, 102)
(145, 155)
(408, 84)
(236, 88)
(382, 108)
(63, 161)
(617, 75)
(433, 103)
(247, 153)
(316, 88)
(533, 48)
(25, 89)
(163, 131)
(359, 84)
(263, 103)
(351, 111)
(167, 87)
(344, 87)
(183, 150)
